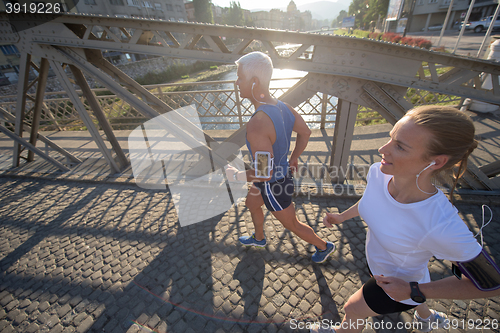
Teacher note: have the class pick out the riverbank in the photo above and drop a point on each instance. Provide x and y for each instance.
(144, 72)
(204, 75)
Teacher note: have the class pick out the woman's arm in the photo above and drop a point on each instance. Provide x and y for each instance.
(447, 288)
(332, 218)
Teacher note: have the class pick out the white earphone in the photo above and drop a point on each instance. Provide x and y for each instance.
(427, 167)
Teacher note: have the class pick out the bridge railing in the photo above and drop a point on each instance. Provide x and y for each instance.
(218, 103)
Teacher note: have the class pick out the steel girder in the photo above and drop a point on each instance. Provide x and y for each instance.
(368, 59)
(359, 71)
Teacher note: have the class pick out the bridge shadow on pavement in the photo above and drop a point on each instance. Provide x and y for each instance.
(91, 257)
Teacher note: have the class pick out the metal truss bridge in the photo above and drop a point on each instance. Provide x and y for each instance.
(360, 72)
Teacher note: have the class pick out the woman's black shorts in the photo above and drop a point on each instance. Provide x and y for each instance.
(379, 301)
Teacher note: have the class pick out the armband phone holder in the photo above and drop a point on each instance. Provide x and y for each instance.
(482, 271)
(263, 164)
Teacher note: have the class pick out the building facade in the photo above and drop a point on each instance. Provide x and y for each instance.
(292, 19)
(168, 10)
(483, 8)
(425, 15)
(432, 13)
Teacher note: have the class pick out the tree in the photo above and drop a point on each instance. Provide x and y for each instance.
(234, 15)
(368, 11)
(338, 21)
(358, 8)
(203, 11)
(377, 9)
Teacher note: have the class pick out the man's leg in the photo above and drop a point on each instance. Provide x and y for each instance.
(288, 218)
(254, 204)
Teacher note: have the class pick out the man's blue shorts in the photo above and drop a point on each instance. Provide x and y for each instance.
(278, 194)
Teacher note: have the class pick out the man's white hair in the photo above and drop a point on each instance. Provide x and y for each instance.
(257, 64)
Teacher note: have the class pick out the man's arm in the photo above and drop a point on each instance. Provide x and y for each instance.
(303, 133)
(260, 130)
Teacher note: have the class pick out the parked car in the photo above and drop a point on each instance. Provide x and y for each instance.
(483, 24)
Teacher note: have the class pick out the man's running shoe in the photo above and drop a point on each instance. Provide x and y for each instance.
(321, 256)
(251, 241)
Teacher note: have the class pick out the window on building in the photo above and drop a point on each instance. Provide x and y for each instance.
(133, 3)
(433, 1)
(178, 8)
(170, 7)
(116, 2)
(158, 6)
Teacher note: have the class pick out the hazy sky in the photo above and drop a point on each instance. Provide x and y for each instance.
(258, 4)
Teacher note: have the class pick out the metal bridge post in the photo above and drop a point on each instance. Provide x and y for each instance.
(324, 107)
(37, 111)
(238, 104)
(101, 118)
(61, 75)
(22, 89)
(342, 139)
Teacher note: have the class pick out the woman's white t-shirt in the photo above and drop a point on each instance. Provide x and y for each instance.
(402, 238)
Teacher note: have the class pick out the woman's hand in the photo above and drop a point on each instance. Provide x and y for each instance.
(396, 288)
(331, 218)
(230, 171)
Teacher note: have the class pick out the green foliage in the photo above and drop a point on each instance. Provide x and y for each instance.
(173, 73)
(103, 93)
(367, 12)
(361, 33)
(203, 11)
(356, 33)
(338, 21)
(367, 117)
(234, 15)
(376, 9)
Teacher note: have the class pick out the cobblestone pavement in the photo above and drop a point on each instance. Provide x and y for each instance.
(93, 257)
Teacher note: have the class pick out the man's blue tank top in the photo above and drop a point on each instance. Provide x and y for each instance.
(283, 120)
